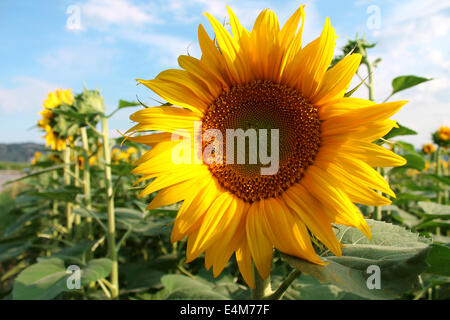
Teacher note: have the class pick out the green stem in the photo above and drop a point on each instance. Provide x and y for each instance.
(112, 252)
(77, 218)
(438, 173)
(262, 286)
(278, 294)
(438, 186)
(86, 179)
(377, 209)
(67, 182)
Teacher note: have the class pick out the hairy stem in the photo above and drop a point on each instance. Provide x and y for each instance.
(262, 286)
(112, 252)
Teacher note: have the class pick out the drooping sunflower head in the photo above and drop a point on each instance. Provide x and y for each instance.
(277, 152)
(428, 148)
(54, 100)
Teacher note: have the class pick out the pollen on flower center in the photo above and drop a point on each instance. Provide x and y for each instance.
(265, 105)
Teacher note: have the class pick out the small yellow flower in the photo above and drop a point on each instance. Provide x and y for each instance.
(37, 155)
(428, 148)
(444, 133)
(54, 100)
(132, 150)
(412, 172)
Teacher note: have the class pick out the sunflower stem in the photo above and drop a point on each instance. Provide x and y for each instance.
(262, 289)
(278, 294)
(67, 182)
(86, 179)
(77, 182)
(112, 252)
(438, 173)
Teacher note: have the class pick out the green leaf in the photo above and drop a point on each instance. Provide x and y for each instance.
(41, 281)
(415, 161)
(127, 104)
(435, 177)
(37, 173)
(182, 287)
(141, 277)
(406, 218)
(74, 253)
(439, 260)
(47, 278)
(352, 91)
(13, 249)
(435, 209)
(67, 194)
(95, 270)
(400, 131)
(405, 82)
(398, 253)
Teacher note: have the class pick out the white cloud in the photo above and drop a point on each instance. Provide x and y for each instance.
(81, 60)
(100, 14)
(413, 40)
(25, 94)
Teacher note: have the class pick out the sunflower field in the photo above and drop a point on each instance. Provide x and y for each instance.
(351, 211)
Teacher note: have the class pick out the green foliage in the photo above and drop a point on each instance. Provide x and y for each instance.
(406, 82)
(398, 253)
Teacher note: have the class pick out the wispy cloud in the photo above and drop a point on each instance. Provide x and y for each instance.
(25, 94)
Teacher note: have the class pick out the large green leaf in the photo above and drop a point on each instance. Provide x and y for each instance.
(406, 218)
(47, 278)
(41, 281)
(405, 82)
(95, 270)
(439, 259)
(182, 287)
(399, 254)
(435, 209)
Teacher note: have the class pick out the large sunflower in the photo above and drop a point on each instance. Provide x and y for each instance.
(54, 100)
(265, 79)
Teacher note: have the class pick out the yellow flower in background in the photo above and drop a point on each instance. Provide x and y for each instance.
(427, 166)
(428, 148)
(132, 150)
(36, 157)
(444, 133)
(54, 99)
(264, 79)
(412, 172)
(93, 160)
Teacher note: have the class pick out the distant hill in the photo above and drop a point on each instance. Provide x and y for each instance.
(18, 152)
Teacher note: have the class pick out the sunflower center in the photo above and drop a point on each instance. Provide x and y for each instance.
(263, 107)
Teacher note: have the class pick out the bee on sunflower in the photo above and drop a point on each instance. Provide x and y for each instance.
(264, 79)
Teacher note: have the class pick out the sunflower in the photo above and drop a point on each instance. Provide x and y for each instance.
(428, 148)
(264, 79)
(54, 100)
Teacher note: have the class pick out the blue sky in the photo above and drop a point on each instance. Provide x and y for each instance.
(117, 41)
